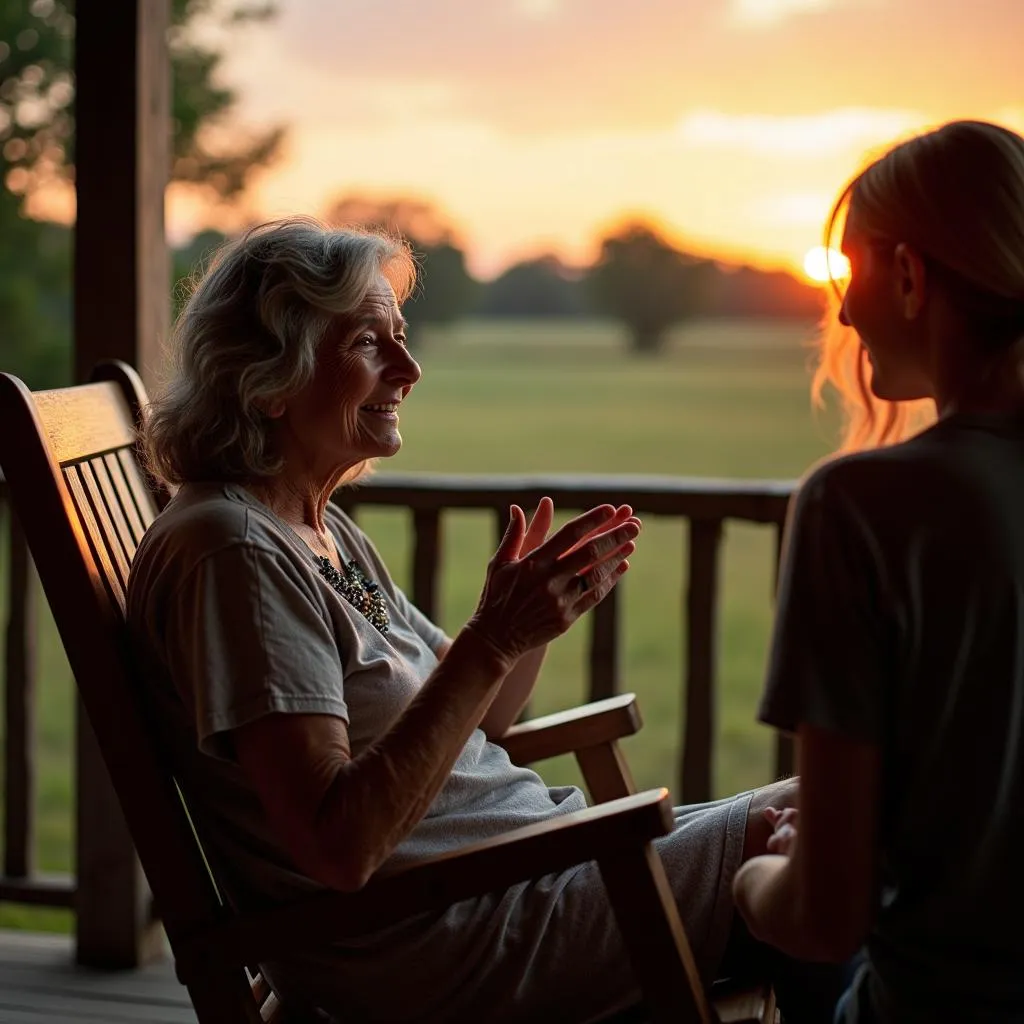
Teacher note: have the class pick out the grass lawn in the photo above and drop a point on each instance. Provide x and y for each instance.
(724, 400)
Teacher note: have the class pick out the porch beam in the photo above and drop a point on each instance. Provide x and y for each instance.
(121, 310)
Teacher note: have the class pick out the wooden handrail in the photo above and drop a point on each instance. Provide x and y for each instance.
(755, 501)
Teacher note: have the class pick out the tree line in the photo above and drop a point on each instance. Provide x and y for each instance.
(639, 277)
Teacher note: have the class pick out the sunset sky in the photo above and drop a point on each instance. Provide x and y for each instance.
(536, 124)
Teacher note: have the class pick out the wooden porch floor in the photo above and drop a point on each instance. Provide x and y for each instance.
(40, 984)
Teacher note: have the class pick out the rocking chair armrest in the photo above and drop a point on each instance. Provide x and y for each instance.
(395, 894)
(589, 725)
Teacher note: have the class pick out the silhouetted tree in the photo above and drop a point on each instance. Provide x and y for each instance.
(445, 290)
(748, 292)
(642, 280)
(37, 90)
(537, 287)
(35, 297)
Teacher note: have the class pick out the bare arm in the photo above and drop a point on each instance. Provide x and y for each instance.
(818, 903)
(512, 695)
(341, 817)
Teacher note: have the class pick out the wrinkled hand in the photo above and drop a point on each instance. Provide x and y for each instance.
(538, 527)
(544, 515)
(784, 829)
(534, 594)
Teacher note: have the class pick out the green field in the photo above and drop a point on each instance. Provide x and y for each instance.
(725, 400)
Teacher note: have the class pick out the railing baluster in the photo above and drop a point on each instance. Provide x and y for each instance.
(785, 755)
(701, 661)
(604, 647)
(501, 521)
(20, 701)
(426, 557)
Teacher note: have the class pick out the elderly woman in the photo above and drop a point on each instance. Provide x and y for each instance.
(321, 724)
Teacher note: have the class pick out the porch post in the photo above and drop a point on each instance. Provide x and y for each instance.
(121, 310)
(122, 160)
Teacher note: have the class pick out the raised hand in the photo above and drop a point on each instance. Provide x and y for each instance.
(622, 514)
(544, 515)
(529, 599)
(538, 527)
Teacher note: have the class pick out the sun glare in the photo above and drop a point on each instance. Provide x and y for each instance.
(822, 265)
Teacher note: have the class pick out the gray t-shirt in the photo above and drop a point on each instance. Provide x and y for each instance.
(233, 621)
(901, 624)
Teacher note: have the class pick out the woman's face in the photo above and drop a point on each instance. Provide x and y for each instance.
(881, 303)
(349, 410)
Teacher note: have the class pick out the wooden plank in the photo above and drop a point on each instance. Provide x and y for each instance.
(157, 492)
(52, 956)
(122, 159)
(20, 666)
(785, 752)
(101, 513)
(574, 729)
(39, 982)
(112, 501)
(113, 925)
(604, 668)
(124, 492)
(426, 559)
(654, 938)
(111, 575)
(83, 422)
(606, 772)
(39, 890)
(701, 661)
(755, 501)
(47, 1004)
(144, 504)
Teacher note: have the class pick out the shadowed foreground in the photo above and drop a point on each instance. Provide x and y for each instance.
(40, 984)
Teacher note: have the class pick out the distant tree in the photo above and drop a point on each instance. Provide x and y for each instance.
(200, 103)
(642, 280)
(35, 297)
(37, 91)
(445, 290)
(748, 292)
(542, 287)
(37, 149)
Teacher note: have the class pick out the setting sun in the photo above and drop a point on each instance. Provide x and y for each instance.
(823, 265)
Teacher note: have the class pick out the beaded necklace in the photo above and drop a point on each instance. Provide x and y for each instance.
(358, 589)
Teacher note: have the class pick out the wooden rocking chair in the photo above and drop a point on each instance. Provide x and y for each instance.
(84, 502)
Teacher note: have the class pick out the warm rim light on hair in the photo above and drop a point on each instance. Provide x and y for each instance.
(823, 265)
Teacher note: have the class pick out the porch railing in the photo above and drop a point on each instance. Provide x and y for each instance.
(704, 505)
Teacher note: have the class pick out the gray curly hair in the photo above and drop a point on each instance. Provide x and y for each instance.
(248, 335)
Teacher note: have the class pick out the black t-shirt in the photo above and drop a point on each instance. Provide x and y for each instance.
(901, 624)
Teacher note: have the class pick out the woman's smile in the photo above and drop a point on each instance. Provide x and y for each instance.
(387, 411)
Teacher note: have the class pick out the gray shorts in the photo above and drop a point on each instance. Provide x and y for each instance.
(545, 950)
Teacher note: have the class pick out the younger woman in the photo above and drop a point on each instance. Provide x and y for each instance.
(898, 652)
